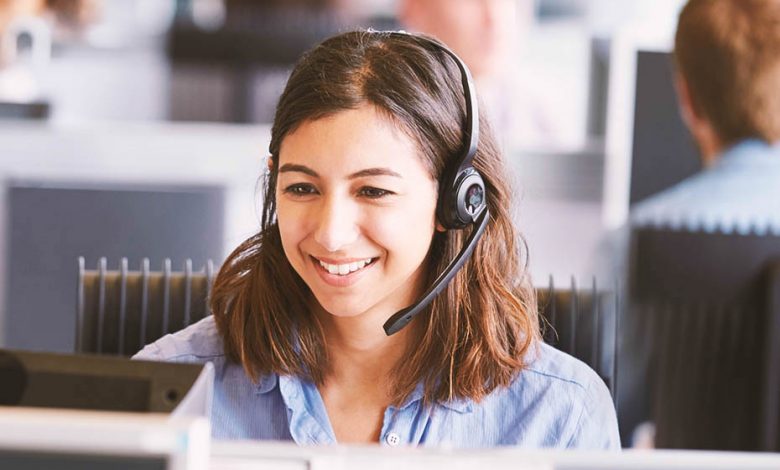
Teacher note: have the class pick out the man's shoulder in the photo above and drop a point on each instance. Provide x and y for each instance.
(740, 190)
(199, 342)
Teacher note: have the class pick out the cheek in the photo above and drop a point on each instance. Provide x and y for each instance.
(290, 230)
(407, 234)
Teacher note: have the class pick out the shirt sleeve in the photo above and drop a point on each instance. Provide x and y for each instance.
(597, 426)
(150, 352)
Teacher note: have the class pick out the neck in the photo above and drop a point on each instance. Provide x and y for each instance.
(358, 347)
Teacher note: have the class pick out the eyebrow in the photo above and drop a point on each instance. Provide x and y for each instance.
(292, 167)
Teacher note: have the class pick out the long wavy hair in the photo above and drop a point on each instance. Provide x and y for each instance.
(475, 336)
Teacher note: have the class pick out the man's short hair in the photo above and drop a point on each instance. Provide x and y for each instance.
(728, 52)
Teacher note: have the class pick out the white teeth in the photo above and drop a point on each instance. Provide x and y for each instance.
(344, 269)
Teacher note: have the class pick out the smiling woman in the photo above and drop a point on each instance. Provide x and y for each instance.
(373, 137)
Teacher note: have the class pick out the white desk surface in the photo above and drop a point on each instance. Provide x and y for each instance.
(260, 456)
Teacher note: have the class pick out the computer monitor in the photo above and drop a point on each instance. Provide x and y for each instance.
(33, 438)
(87, 382)
(647, 146)
(662, 151)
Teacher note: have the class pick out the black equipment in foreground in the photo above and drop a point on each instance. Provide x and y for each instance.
(49, 380)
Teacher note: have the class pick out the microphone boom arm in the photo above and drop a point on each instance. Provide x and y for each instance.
(401, 318)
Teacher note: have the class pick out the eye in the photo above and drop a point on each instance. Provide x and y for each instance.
(374, 193)
(300, 189)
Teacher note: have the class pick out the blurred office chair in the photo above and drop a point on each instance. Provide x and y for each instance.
(709, 306)
(118, 312)
(582, 322)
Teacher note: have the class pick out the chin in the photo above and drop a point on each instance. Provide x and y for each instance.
(343, 308)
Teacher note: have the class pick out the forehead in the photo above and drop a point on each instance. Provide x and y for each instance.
(352, 140)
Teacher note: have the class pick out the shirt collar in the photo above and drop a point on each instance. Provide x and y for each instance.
(457, 405)
(750, 150)
(267, 382)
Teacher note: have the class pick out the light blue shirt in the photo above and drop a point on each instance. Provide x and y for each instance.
(739, 193)
(557, 401)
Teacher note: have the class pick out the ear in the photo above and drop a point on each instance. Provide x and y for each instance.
(440, 227)
(270, 162)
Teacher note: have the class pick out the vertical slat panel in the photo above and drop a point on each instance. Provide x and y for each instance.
(187, 291)
(144, 299)
(122, 306)
(101, 302)
(595, 335)
(553, 302)
(615, 342)
(209, 283)
(80, 306)
(573, 318)
(166, 296)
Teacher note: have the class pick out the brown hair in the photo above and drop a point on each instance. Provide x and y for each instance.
(481, 325)
(728, 52)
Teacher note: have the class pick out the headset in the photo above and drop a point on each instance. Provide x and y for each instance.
(462, 200)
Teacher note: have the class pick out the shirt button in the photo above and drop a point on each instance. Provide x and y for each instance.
(392, 439)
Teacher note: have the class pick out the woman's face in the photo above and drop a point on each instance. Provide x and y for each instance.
(356, 212)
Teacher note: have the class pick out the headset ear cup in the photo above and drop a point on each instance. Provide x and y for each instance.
(463, 201)
(471, 196)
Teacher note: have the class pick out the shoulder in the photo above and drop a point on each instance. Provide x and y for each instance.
(199, 342)
(689, 197)
(740, 189)
(569, 401)
(547, 364)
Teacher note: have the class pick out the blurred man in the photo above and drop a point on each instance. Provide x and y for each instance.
(481, 32)
(727, 55)
(727, 61)
(485, 34)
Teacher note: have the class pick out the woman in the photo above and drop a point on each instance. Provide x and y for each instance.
(363, 136)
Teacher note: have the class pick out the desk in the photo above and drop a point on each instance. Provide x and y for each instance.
(107, 439)
(32, 438)
(261, 456)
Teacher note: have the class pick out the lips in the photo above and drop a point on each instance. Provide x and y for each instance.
(342, 272)
(345, 268)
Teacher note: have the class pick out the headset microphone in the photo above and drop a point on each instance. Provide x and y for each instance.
(462, 200)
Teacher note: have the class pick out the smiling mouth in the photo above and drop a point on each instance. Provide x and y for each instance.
(345, 269)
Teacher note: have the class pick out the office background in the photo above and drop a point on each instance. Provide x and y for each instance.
(161, 96)
(139, 129)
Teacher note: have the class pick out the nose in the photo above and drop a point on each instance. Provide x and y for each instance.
(336, 224)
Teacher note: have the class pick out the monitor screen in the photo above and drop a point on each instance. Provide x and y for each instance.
(647, 146)
(663, 153)
(27, 460)
(91, 382)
